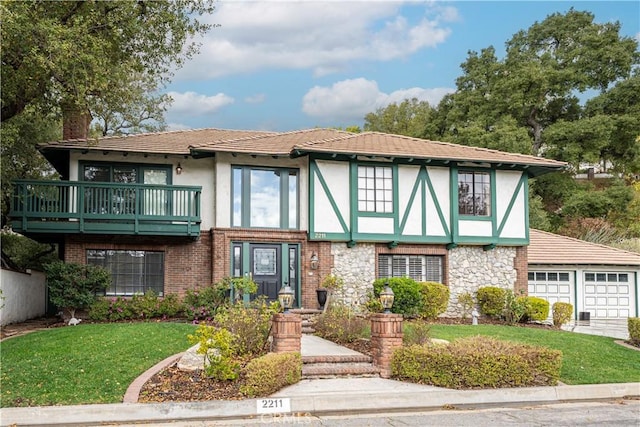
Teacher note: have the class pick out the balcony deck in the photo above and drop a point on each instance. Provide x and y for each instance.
(105, 208)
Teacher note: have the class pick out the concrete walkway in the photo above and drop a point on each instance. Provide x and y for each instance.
(614, 328)
(316, 397)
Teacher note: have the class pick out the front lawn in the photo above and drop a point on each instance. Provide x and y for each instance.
(586, 359)
(92, 363)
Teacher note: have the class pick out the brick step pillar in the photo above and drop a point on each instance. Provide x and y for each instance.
(287, 332)
(386, 336)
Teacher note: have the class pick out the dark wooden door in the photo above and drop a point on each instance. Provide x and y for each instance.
(266, 267)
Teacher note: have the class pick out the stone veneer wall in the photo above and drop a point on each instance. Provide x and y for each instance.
(357, 266)
(471, 267)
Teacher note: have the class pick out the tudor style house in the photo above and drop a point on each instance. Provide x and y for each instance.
(173, 211)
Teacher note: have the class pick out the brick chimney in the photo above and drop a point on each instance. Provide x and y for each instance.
(75, 122)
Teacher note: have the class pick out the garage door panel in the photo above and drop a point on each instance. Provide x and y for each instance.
(607, 294)
(564, 289)
(552, 286)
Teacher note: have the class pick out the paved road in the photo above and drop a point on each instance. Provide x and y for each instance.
(619, 413)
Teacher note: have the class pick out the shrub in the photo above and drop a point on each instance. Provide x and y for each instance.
(491, 300)
(416, 333)
(478, 362)
(465, 299)
(633, 324)
(218, 347)
(170, 306)
(562, 312)
(250, 325)
(341, 325)
(112, 309)
(202, 304)
(515, 308)
(145, 306)
(537, 309)
(267, 374)
(435, 299)
(74, 286)
(408, 298)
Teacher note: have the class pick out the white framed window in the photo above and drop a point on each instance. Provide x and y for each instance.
(422, 268)
(375, 189)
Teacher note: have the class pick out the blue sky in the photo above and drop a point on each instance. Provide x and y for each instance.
(286, 65)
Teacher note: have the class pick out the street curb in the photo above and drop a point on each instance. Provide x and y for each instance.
(326, 404)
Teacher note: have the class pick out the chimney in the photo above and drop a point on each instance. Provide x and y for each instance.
(75, 122)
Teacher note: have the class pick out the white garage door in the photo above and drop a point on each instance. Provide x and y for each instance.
(607, 294)
(554, 286)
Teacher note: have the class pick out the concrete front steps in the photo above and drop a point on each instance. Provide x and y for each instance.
(308, 316)
(338, 366)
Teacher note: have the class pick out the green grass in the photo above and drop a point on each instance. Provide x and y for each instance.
(92, 363)
(586, 359)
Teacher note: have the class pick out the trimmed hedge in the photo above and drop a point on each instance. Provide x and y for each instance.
(537, 309)
(435, 299)
(562, 312)
(478, 362)
(491, 300)
(633, 324)
(267, 374)
(407, 294)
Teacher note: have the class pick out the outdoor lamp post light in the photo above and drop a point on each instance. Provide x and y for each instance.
(286, 297)
(386, 298)
(314, 261)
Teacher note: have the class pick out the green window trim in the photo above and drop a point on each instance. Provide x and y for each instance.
(241, 188)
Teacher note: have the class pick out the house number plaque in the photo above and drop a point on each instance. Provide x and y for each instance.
(274, 406)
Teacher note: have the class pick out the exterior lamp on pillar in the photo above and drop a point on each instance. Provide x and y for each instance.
(386, 298)
(314, 261)
(178, 169)
(286, 297)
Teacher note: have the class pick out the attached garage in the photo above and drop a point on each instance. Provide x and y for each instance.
(599, 281)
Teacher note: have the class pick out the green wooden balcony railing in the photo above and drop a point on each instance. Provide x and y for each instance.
(111, 208)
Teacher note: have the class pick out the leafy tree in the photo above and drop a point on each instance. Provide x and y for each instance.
(18, 154)
(74, 286)
(80, 52)
(409, 118)
(536, 83)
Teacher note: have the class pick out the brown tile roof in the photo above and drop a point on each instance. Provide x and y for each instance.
(549, 248)
(272, 144)
(174, 142)
(302, 142)
(382, 144)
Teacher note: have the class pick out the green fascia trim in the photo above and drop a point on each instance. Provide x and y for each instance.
(421, 239)
(435, 201)
(315, 171)
(80, 227)
(353, 199)
(396, 201)
(526, 207)
(514, 197)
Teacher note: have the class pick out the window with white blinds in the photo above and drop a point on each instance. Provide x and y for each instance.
(421, 268)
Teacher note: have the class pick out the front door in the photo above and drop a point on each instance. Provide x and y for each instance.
(266, 268)
(271, 266)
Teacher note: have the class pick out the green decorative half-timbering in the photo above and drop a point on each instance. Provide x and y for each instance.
(359, 200)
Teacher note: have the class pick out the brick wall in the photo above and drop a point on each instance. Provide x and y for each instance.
(310, 279)
(187, 263)
(521, 265)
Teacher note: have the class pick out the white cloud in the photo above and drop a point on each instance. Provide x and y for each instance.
(321, 36)
(351, 100)
(258, 98)
(177, 126)
(192, 103)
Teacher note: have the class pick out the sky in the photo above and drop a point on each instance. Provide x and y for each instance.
(287, 65)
